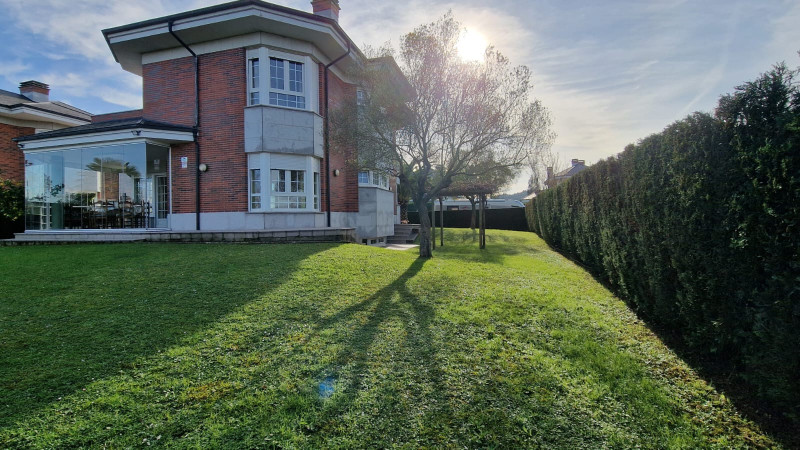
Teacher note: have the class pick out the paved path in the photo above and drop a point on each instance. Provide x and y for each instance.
(400, 246)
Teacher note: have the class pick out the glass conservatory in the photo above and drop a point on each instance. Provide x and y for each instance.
(104, 187)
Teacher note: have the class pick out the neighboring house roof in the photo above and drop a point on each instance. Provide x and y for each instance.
(8, 98)
(13, 103)
(111, 125)
(571, 171)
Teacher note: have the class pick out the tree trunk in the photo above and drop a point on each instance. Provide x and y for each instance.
(424, 231)
(404, 212)
(472, 221)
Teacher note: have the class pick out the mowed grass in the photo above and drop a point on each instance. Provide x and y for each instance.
(323, 345)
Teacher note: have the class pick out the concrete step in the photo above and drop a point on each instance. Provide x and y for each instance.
(257, 236)
(404, 234)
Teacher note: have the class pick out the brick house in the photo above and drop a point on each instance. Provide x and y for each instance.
(231, 136)
(29, 112)
(554, 179)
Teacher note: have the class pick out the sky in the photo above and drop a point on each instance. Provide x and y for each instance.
(610, 72)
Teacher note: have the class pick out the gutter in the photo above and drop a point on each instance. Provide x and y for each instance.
(196, 128)
(327, 136)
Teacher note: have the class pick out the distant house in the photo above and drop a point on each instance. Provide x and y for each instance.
(553, 180)
(29, 112)
(232, 134)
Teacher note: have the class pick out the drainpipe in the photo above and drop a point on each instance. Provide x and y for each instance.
(327, 138)
(196, 128)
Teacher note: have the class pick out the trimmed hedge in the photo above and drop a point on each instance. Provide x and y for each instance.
(698, 228)
(12, 212)
(498, 219)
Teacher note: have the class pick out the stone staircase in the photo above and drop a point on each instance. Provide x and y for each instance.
(404, 234)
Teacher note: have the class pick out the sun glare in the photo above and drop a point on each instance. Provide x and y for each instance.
(471, 45)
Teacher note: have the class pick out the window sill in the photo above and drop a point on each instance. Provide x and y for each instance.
(283, 107)
(374, 186)
(284, 211)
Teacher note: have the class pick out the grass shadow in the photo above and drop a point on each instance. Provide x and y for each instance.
(71, 315)
(463, 244)
(395, 302)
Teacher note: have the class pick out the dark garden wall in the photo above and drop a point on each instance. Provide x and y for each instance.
(698, 228)
(497, 219)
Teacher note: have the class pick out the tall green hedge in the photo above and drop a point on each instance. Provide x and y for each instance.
(698, 228)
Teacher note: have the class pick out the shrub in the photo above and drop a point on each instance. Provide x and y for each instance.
(698, 228)
(12, 207)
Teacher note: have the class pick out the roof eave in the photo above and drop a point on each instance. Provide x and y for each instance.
(184, 22)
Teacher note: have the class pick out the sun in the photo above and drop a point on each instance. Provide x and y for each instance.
(471, 45)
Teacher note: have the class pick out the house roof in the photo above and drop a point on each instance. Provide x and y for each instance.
(129, 42)
(8, 98)
(15, 103)
(571, 171)
(111, 125)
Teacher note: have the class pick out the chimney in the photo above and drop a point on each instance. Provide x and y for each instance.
(326, 8)
(35, 90)
(575, 162)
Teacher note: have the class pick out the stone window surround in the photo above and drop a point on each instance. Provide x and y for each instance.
(263, 54)
(264, 161)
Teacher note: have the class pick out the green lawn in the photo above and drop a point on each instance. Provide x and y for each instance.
(323, 345)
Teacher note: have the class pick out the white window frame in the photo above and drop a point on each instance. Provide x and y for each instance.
(376, 178)
(253, 83)
(266, 163)
(310, 78)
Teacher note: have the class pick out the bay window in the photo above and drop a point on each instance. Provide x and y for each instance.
(286, 188)
(373, 178)
(291, 81)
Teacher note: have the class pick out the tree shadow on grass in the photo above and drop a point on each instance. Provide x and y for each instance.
(354, 363)
(71, 315)
(463, 244)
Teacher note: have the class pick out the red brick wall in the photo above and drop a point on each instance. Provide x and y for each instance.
(223, 97)
(183, 197)
(168, 89)
(12, 160)
(132, 114)
(344, 188)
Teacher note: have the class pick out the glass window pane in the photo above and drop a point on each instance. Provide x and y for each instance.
(254, 73)
(255, 181)
(295, 76)
(254, 98)
(278, 180)
(276, 76)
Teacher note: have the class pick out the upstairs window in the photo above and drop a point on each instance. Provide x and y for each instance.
(280, 78)
(282, 93)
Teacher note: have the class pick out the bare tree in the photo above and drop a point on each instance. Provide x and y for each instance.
(539, 163)
(458, 116)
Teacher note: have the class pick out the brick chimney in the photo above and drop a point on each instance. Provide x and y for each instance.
(575, 162)
(326, 8)
(35, 90)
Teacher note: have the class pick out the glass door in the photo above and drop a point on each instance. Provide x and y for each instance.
(162, 201)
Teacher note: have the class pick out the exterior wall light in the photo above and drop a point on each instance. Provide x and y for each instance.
(202, 167)
(336, 172)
